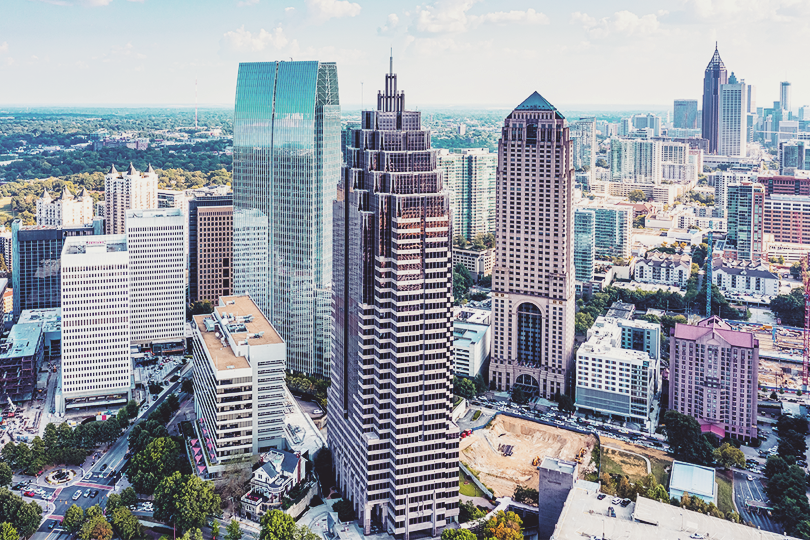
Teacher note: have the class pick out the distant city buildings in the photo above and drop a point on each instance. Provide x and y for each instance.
(469, 174)
(794, 155)
(584, 243)
(714, 374)
(131, 190)
(534, 299)
(715, 76)
(685, 114)
(286, 166)
(66, 210)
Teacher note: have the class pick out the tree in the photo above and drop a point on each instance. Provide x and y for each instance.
(467, 511)
(637, 196)
(458, 534)
(728, 456)
(186, 501)
(790, 307)
(129, 497)
(7, 530)
(774, 396)
(276, 525)
(463, 387)
(345, 511)
(525, 495)
(143, 433)
(126, 525)
(503, 526)
(232, 531)
(564, 403)
(202, 308)
(132, 408)
(796, 270)
(792, 436)
(686, 439)
(462, 281)
(5, 475)
(154, 463)
(582, 322)
(96, 528)
(26, 518)
(187, 386)
(74, 516)
(518, 395)
(215, 529)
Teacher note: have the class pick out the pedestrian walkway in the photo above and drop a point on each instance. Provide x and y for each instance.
(477, 501)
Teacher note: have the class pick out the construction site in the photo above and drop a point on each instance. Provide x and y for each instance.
(507, 452)
(780, 350)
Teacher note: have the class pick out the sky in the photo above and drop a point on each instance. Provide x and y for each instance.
(447, 53)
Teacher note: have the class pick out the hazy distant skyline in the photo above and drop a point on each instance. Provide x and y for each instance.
(467, 53)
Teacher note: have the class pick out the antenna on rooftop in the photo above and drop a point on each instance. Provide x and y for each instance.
(391, 63)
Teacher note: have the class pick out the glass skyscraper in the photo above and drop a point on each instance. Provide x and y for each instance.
(286, 154)
(584, 243)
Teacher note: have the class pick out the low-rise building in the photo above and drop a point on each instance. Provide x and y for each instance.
(664, 269)
(477, 263)
(745, 277)
(696, 480)
(21, 355)
(280, 472)
(471, 347)
(239, 362)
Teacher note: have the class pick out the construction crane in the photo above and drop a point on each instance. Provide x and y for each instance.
(806, 352)
(708, 266)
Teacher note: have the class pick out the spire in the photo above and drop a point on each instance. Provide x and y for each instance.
(46, 196)
(84, 193)
(391, 63)
(66, 194)
(131, 169)
(112, 170)
(716, 62)
(150, 170)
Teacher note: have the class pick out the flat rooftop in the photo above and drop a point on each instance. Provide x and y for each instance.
(80, 245)
(584, 516)
(554, 464)
(22, 340)
(243, 320)
(695, 479)
(51, 319)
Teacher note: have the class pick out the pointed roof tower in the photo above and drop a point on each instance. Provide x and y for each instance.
(66, 195)
(112, 170)
(536, 102)
(84, 194)
(46, 196)
(716, 62)
(131, 169)
(150, 170)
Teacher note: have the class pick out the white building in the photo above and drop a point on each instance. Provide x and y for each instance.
(279, 473)
(664, 269)
(131, 190)
(745, 277)
(250, 241)
(238, 354)
(471, 347)
(66, 210)
(477, 263)
(613, 380)
(96, 364)
(733, 118)
(157, 262)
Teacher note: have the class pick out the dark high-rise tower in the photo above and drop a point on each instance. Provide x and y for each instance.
(395, 446)
(716, 74)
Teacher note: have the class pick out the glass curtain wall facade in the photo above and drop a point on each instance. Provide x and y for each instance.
(584, 243)
(394, 443)
(287, 160)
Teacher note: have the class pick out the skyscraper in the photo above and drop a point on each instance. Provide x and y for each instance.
(584, 243)
(685, 114)
(65, 211)
(732, 137)
(395, 447)
(746, 220)
(470, 178)
(131, 190)
(715, 75)
(196, 261)
(286, 164)
(533, 298)
(784, 97)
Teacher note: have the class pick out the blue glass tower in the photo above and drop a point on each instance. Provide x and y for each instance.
(286, 165)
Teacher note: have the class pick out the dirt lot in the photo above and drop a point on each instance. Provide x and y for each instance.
(502, 473)
(660, 462)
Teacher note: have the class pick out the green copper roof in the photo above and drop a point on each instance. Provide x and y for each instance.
(535, 102)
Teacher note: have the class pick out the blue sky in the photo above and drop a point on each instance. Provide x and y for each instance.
(446, 52)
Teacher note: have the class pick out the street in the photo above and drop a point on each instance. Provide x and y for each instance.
(747, 491)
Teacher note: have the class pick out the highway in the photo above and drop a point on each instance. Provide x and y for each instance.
(752, 490)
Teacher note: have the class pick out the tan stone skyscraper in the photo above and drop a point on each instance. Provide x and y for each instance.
(533, 278)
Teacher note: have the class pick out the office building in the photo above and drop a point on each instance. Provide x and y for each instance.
(584, 243)
(392, 257)
(794, 155)
(157, 264)
(6, 248)
(21, 356)
(202, 198)
(584, 148)
(66, 210)
(715, 75)
(746, 221)
(214, 252)
(784, 97)
(250, 243)
(36, 276)
(237, 352)
(787, 218)
(131, 190)
(470, 177)
(732, 130)
(685, 114)
(612, 226)
(477, 263)
(345, 135)
(615, 380)
(663, 269)
(534, 299)
(471, 347)
(286, 165)
(714, 374)
(639, 335)
(169, 198)
(721, 180)
(96, 363)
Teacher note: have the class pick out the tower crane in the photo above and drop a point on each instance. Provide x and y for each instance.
(806, 351)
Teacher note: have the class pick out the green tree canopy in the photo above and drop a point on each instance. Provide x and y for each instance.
(458, 534)
(790, 307)
(74, 517)
(232, 531)
(729, 456)
(637, 196)
(686, 440)
(185, 500)
(464, 387)
(503, 526)
(8, 532)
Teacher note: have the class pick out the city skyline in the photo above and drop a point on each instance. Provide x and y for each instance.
(447, 40)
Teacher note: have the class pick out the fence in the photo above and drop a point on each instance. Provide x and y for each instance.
(476, 481)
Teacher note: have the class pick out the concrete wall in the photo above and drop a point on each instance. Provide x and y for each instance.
(476, 481)
(298, 508)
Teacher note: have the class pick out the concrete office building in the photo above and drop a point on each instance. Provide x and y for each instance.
(715, 75)
(787, 218)
(36, 276)
(556, 479)
(237, 352)
(471, 347)
(286, 156)
(392, 267)
(157, 264)
(65, 211)
(615, 380)
(685, 116)
(732, 130)
(714, 373)
(131, 190)
(96, 363)
(584, 243)
(214, 252)
(746, 221)
(201, 199)
(534, 299)
(470, 177)
(477, 263)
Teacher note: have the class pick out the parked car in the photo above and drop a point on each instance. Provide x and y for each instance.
(51, 524)
(87, 492)
(29, 493)
(601, 496)
(77, 494)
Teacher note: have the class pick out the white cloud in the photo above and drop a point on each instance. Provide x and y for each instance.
(451, 17)
(323, 10)
(243, 40)
(289, 10)
(622, 22)
(529, 16)
(244, 3)
(4, 47)
(393, 22)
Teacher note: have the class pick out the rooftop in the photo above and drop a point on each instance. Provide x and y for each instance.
(51, 319)
(695, 479)
(554, 464)
(22, 340)
(465, 333)
(584, 516)
(80, 245)
(240, 318)
(720, 328)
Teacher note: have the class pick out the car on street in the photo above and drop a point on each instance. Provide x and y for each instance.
(318, 411)
(77, 494)
(89, 475)
(94, 494)
(53, 522)
(29, 493)
(616, 500)
(750, 478)
(104, 466)
(87, 492)
(697, 536)
(602, 495)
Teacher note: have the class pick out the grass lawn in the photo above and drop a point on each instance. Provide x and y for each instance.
(615, 462)
(476, 415)
(659, 467)
(466, 486)
(724, 491)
